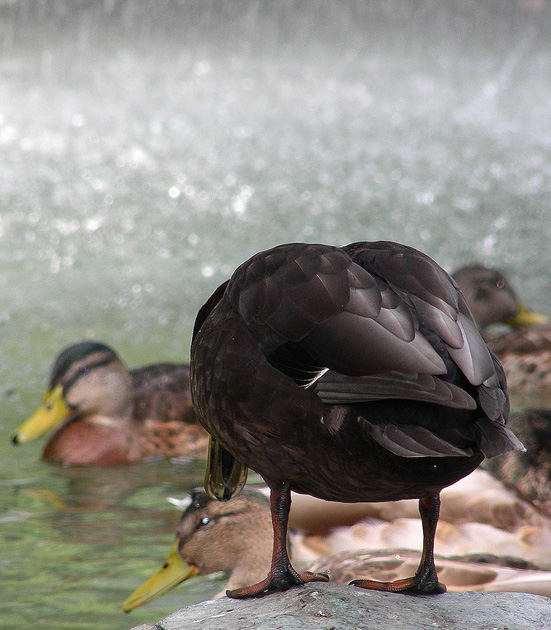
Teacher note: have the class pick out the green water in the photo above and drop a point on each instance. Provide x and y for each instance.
(147, 149)
(75, 543)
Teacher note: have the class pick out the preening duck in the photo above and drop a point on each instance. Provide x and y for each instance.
(349, 373)
(108, 415)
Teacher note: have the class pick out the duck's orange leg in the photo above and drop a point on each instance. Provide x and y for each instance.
(282, 575)
(425, 580)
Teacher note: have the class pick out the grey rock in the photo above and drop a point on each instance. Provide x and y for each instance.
(319, 606)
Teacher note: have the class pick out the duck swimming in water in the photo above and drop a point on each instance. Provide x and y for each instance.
(109, 415)
(349, 373)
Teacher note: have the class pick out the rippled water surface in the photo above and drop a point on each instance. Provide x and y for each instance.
(147, 149)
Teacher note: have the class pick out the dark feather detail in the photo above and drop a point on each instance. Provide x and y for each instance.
(337, 389)
(407, 440)
(496, 439)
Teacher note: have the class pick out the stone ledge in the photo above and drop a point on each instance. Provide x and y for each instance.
(320, 606)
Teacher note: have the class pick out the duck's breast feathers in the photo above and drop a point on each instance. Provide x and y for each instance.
(359, 309)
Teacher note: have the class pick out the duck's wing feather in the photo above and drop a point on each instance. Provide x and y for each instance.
(435, 297)
(442, 309)
(316, 297)
(361, 311)
(335, 388)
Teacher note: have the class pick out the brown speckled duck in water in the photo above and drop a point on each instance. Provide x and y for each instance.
(234, 538)
(109, 415)
(524, 351)
(349, 373)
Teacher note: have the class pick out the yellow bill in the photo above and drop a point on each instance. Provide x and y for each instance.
(51, 412)
(526, 317)
(173, 571)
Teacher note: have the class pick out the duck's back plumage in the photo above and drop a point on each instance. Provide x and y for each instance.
(161, 393)
(325, 366)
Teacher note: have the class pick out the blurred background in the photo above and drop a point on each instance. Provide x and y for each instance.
(148, 148)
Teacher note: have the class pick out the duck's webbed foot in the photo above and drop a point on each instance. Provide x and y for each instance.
(416, 585)
(425, 581)
(277, 581)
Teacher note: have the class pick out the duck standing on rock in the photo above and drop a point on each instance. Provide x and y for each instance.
(108, 415)
(350, 373)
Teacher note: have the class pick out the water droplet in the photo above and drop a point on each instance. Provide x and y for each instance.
(94, 223)
(425, 198)
(241, 200)
(78, 120)
(201, 68)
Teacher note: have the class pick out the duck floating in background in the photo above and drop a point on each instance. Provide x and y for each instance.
(351, 374)
(234, 537)
(109, 415)
(525, 351)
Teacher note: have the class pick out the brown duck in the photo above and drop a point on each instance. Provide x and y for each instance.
(525, 350)
(233, 537)
(109, 415)
(349, 373)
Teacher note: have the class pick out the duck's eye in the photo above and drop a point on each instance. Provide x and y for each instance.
(205, 520)
(500, 284)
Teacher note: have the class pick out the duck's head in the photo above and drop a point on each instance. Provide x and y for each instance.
(87, 379)
(233, 537)
(492, 298)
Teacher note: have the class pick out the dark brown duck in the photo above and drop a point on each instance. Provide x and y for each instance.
(351, 374)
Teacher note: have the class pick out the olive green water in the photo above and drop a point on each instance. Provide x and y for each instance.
(146, 149)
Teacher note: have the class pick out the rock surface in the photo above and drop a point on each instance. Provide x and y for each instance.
(319, 606)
